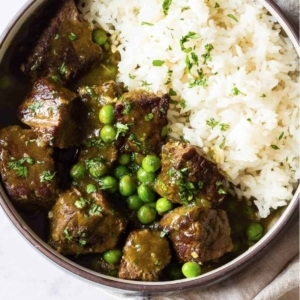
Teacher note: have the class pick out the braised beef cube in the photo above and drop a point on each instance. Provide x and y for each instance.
(27, 169)
(187, 174)
(84, 223)
(54, 112)
(65, 49)
(145, 254)
(94, 98)
(197, 235)
(145, 116)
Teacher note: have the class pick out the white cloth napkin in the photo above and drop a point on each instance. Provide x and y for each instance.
(275, 276)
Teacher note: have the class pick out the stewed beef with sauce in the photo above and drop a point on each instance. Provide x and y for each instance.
(65, 49)
(145, 254)
(187, 174)
(197, 234)
(27, 169)
(145, 115)
(81, 223)
(54, 112)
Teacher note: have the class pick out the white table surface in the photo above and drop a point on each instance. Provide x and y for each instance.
(24, 272)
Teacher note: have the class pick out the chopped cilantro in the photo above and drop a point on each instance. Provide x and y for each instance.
(233, 17)
(236, 91)
(183, 103)
(212, 122)
(223, 143)
(157, 63)
(275, 147)
(95, 210)
(33, 107)
(263, 96)
(68, 235)
(186, 38)
(81, 203)
(121, 129)
(47, 176)
(146, 23)
(127, 108)
(217, 5)
(207, 55)
(281, 136)
(172, 92)
(149, 117)
(132, 76)
(17, 165)
(224, 126)
(166, 6)
(72, 36)
(63, 69)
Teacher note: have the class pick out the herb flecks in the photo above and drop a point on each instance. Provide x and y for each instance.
(186, 38)
(275, 147)
(72, 36)
(212, 123)
(147, 23)
(233, 17)
(81, 203)
(166, 6)
(157, 63)
(207, 55)
(18, 165)
(47, 176)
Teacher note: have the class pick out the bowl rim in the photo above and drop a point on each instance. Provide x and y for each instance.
(139, 287)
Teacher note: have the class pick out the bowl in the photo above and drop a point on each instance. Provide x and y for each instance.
(12, 35)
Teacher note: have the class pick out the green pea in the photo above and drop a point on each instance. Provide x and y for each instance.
(134, 202)
(174, 271)
(146, 214)
(99, 36)
(90, 188)
(127, 185)
(254, 232)
(109, 184)
(98, 170)
(124, 159)
(191, 269)
(106, 114)
(144, 176)
(151, 163)
(163, 205)
(145, 193)
(108, 133)
(112, 256)
(120, 171)
(77, 171)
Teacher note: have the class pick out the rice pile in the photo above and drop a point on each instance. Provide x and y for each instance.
(232, 76)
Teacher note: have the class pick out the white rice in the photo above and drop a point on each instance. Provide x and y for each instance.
(253, 136)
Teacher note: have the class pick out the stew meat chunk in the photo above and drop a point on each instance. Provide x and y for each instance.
(65, 49)
(198, 235)
(187, 174)
(54, 112)
(145, 254)
(145, 115)
(27, 168)
(84, 224)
